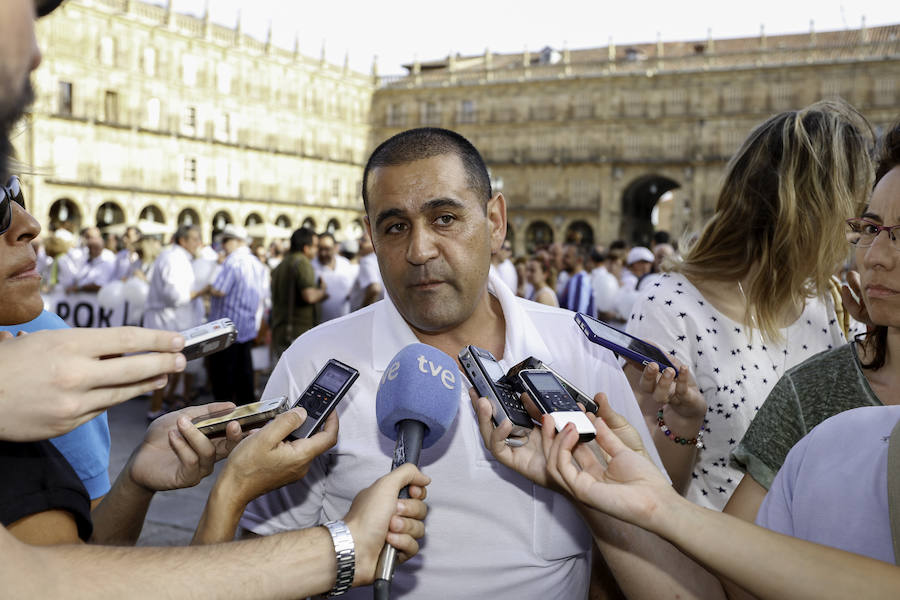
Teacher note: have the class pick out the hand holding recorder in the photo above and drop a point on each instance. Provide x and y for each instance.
(69, 381)
(262, 462)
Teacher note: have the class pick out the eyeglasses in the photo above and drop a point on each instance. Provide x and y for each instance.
(12, 192)
(862, 233)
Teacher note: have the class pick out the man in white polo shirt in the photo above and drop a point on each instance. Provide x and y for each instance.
(491, 533)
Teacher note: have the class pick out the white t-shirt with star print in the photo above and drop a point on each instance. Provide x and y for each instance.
(734, 372)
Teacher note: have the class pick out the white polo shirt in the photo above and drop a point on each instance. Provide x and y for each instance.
(490, 533)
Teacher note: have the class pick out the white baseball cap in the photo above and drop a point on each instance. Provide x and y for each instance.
(639, 253)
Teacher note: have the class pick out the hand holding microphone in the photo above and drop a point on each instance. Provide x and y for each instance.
(416, 403)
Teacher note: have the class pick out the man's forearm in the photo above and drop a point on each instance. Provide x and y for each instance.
(289, 565)
(221, 516)
(119, 518)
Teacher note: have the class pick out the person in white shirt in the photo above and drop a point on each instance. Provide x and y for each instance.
(98, 268)
(338, 275)
(367, 287)
(604, 284)
(492, 533)
(170, 295)
(505, 268)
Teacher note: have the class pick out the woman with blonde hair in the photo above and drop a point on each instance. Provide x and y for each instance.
(751, 297)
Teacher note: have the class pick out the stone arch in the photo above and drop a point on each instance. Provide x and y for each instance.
(580, 232)
(109, 213)
(151, 212)
(253, 219)
(66, 212)
(309, 222)
(539, 233)
(333, 226)
(283, 221)
(219, 221)
(638, 201)
(188, 216)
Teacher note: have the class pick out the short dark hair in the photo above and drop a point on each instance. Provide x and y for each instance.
(182, 232)
(425, 142)
(302, 238)
(661, 237)
(327, 234)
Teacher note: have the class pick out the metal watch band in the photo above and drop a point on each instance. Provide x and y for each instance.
(345, 552)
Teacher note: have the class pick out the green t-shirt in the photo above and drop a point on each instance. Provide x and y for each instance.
(820, 387)
(291, 315)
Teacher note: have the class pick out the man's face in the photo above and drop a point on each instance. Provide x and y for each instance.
(326, 250)
(94, 242)
(19, 55)
(641, 267)
(311, 250)
(570, 258)
(230, 245)
(20, 283)
(191, 242)
(433, 240)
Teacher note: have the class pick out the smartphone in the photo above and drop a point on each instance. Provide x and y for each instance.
(551, 398)
(489, 380)
(621, 343)
(208, 338)
(533, 363)
(254, 414)
(322, 395)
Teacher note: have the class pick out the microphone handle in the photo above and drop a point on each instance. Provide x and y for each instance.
(410, 434)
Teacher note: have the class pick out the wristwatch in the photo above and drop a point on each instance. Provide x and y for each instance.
(345, 553)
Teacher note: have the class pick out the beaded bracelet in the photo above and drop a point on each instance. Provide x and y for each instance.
(697, 441)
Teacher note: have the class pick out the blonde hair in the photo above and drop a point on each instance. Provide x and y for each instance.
(779, 219)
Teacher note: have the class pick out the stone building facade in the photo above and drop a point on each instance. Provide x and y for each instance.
(145, 115)
(148, 115)
(585, 143)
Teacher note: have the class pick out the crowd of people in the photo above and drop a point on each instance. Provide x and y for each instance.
(786, 384)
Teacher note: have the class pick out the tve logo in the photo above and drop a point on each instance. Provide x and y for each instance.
(448, 379)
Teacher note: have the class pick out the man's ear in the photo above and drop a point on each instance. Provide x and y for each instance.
(496, 215)
(368, 229)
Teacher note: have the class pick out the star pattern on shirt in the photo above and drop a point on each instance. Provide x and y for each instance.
(730, 364)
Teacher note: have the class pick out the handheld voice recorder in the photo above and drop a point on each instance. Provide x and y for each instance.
(577, 395)
(490, 381)
(551, 398)
(254, 414)
(322, 395)
(208, 338)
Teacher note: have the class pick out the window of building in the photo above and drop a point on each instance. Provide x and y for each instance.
(223, 127)
(431, 114)
(189, 121)
(154, 112)
(223, 78)
(885, 92)
(189, 174)
(190, 65)
(65, 98)
(111, 107)
(467, 112)
(148, 61)
(584, 107)
(396, 116)
(676, 101)
(732, 98)
(782, 96)
(107, 51)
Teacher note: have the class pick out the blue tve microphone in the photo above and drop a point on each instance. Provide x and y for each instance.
(416, 403)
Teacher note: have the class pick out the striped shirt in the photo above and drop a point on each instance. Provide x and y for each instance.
(578, 295)
(243, 281)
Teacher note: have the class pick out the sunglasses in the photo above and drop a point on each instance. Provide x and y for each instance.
(12, 192)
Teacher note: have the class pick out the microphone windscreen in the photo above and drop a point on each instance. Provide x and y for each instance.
(420, 383)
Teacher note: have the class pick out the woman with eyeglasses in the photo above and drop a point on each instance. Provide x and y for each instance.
(751, 298)
(865, 372)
